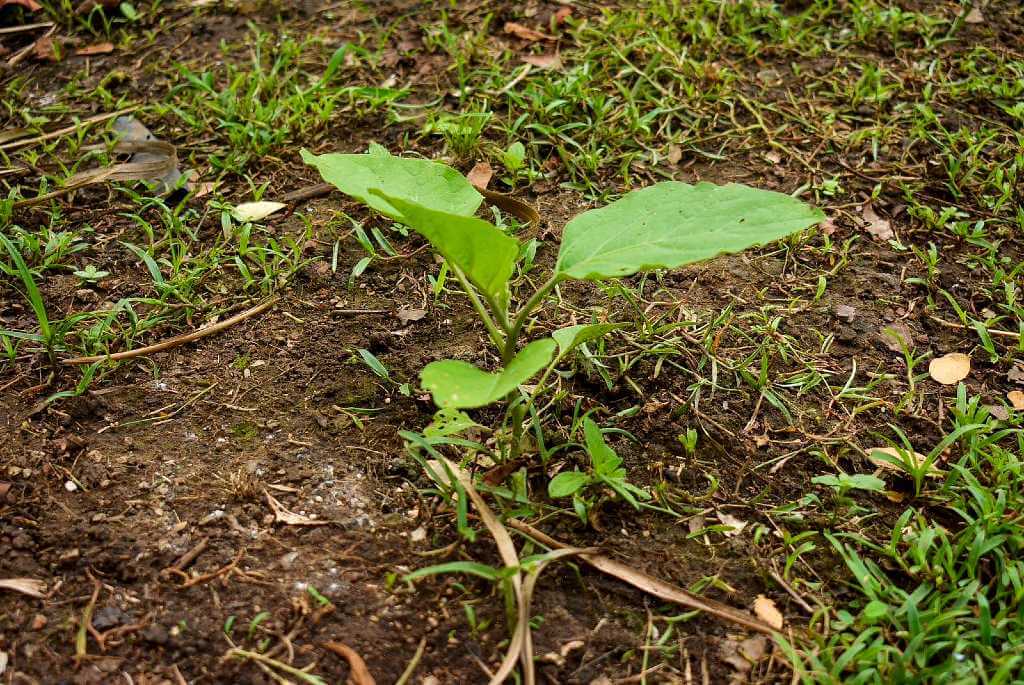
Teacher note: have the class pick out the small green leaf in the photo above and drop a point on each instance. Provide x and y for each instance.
(375, 364)
(567, 483)
(571, 337)
(875, 610)
(430, 184)
(485, 254)
(449, 422)
(603, 457)
(671, 224)
(514, 157)
(470, 567)
(460, 385)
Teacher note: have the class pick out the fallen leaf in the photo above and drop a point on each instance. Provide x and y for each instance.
(407, 315)
(97, 49)
(897, 336)
(828, 226)
(562, 14)
(525, 32)
(675, 153)
(876, 225)
(846, 312)
(743, 655)
(5, 488)
(773, 157)
(765, 609)
(950, 369)
(893, 452)
(256, 211)
(480, 175)
(1016, 374)
(552, 61)
(975, 16)
(1016, 398)
(359, 674)
(30, 5)
(730, 520)
(45, 49)
(26, 586)
(998, 411)
(290, 518)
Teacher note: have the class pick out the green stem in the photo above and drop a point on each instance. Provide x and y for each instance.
(481, 311)
(509, 350)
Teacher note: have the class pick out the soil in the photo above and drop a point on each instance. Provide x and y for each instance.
(183, 451)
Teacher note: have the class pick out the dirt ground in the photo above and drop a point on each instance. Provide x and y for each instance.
(104, 495)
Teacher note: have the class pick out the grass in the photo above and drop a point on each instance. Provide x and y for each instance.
(919, 581)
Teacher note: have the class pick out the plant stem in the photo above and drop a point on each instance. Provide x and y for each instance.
(492, 328)
(509, 349)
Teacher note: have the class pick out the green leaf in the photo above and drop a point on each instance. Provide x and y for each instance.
(449, 422)
(567, 483)
(375, 364)
(421, 181)
(35, 299)
(463, 386)
(603, 457)
(470, 567)
(671, 224)
(485, 254)
(571, 337)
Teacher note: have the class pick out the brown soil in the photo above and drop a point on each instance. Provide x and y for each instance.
(109, 490)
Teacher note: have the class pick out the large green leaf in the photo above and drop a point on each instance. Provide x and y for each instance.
(670, 224)
(485, 254)
(460, 385)
(427, 183)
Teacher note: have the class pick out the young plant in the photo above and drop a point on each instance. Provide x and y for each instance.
(663, 226)
(606, 469)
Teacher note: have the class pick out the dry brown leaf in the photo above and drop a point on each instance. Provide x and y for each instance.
(950, 369)
(562, 14)
(675, 154)
(552, 61)
(360, 674)
(480, 175)
(766, 610)
(876, 225)
(30, 5)
(1016, 374)
(290, 518)
(729, 520)
(975, 16)
(256, 211)
(5, 488)
(525, 32)
(407, 315)
(45, 49)
(897, 335)
(96, 49)
(26, 586)
(1016, 398)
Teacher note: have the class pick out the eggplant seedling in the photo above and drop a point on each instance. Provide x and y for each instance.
(663, 226)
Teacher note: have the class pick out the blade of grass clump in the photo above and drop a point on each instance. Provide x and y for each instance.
(521, 644)
(670, 224)
(32, 293)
